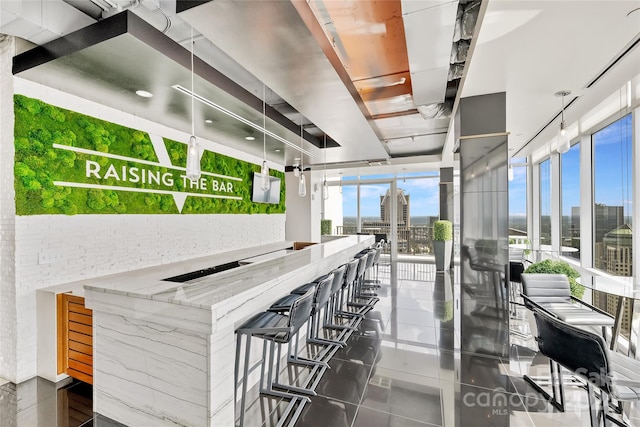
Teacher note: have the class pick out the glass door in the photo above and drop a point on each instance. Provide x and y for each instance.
(375, 211)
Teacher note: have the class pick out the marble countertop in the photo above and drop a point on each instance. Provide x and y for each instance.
(204, 292)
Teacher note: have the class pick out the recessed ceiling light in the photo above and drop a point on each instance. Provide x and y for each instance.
(208, 121)
(250, 138)
(277, 150)
(144, 93)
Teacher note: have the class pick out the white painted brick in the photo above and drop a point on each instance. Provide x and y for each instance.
(8, 302)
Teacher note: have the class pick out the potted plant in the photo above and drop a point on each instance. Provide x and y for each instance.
(442, 244)
(559, 267)
(325, 226)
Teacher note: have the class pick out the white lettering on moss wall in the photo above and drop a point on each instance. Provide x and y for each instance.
(160, 175)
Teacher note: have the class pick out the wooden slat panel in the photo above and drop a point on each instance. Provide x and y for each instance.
(80, 367)
(81, 348)
(80, 376)
(75, 329)
(84, 339)
(83, 329)
(81, 357)
(75, 299)
(79, 308)
(61, 327)
(80, 318)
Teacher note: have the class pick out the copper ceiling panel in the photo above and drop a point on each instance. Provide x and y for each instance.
(369, 39)
(368, 35)
(388, 86)
(273, 41)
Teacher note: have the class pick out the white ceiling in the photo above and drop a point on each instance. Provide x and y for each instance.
(270, 40)
(533, 49)
(528, 49)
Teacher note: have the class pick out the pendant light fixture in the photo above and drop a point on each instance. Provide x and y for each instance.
(302, 182)
(265, 184)
(296, 167)
(193, 148)
(563, 139)
(325, 187)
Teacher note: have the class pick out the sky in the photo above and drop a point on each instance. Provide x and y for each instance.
(613, 177)
(424, 196)
(612, 172)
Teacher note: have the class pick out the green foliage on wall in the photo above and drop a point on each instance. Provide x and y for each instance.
(229, 166)
(42, 165)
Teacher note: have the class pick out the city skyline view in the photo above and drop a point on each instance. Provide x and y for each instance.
(424, 195)
(614, 180)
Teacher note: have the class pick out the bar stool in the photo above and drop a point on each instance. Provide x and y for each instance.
(358, 297)
(375, 283)
(273, 328)
(339, 276)
(332, 307)
(343, 310)
(321, 294)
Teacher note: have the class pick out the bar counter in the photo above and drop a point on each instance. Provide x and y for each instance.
(164, 352)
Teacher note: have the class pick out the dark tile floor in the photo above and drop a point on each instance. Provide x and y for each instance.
(431, 353)
(437, 353)
(38, 403)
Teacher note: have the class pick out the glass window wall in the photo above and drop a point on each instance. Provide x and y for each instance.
(417, 202)
(612, 210)
(570, 203)
(518, 198)
(545, 202)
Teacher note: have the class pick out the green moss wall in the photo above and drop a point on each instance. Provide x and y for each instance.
(59, 152)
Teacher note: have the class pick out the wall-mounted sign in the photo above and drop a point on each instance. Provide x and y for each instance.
(69, 163)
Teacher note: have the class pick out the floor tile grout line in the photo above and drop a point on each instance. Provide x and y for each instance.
(360, 404)
(355, 417)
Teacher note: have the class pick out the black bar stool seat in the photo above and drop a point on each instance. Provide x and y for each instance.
(322, 293)
(274, 329)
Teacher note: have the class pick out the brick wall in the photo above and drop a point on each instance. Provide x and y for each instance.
(8, 308)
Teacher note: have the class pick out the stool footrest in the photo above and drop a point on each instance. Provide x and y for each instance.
(308, 362)
(336, 326)
(284, 394)
(352, 314)
(324, 341)
(294, 389)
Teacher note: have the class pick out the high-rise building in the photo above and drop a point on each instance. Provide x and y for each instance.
(617, 251)
(403, 203)
(606, 220)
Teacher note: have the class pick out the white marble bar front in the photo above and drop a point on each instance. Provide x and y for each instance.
(164, 352)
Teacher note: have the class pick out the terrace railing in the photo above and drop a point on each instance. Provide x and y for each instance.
(413, 240)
